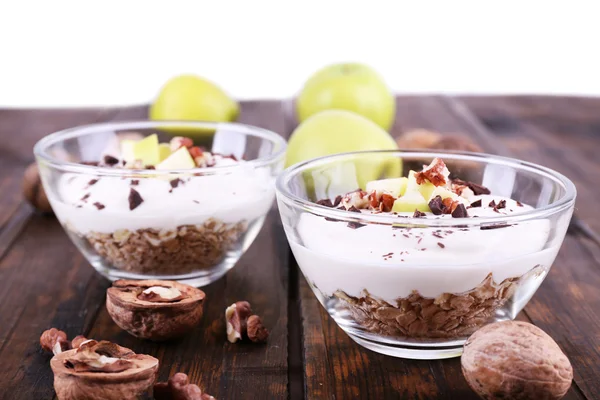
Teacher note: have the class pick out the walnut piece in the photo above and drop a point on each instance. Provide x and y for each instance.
(79, 340)
(436, 173)
(256, 330)
(236, 317)
(178, 387)
(515, 360)
(180, 141)
(55, 341)
(33, 190)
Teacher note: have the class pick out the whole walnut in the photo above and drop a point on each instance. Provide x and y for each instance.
(33, 191)
(515, 360)
(418, 139)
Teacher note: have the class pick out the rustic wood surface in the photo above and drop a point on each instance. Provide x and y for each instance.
(45, 282)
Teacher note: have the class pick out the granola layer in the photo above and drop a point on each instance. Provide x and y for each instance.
(182, 250)
(446, 316)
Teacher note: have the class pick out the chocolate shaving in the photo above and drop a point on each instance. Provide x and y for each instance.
(150, 167)
(85, 197)
(437, 235)
(99, 205)
(135, 182)
(419, 214)
(337, 201)
(476, 203)
(325, 202)
(519, 204)
(353, 209)
(460, 211)
(437, 206)
(175, 182)
(91, 163)
(498, 226)
(134, 199)
(355, 225)
(476, 188)
(501, 204)
(441, 245)
(492, 204)
(110, 160)
(92, 182)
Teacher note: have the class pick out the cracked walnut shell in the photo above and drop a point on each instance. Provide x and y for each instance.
(153, 309)
(515, 360)
(103, 371)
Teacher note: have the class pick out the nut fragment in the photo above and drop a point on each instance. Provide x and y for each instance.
(178, 387)
(256, 330)
(33, 191)
(236, 317)
(180, 141)
(515, 360)
(153, 309)
(55, 341)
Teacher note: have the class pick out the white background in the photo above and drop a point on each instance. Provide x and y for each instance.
(80, 53)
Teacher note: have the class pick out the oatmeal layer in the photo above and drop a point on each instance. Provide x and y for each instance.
(450, 315)
(182, 250)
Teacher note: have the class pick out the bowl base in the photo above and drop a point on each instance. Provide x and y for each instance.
(409, 352)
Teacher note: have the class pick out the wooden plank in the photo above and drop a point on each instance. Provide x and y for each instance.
(45, 282)
(572, 282)
(20, 130)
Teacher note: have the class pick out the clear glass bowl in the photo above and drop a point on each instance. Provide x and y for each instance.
(389, 282)
(194, 232)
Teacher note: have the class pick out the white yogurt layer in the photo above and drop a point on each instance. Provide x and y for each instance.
(243, 195)
(391, 263)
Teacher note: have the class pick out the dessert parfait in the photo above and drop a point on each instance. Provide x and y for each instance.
(413, 265)
(170, 210)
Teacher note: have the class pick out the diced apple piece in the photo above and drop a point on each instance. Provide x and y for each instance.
(410, 202)
(411, 185)
(180, 159)
(393, 186)
(127, 147)
(426, 189)
(164, 151)
(146, 150)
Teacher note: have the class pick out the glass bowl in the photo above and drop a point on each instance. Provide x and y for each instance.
(418, 287)
(192, 232)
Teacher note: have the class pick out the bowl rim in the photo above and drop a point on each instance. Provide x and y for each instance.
(563, 203)
(41, 147)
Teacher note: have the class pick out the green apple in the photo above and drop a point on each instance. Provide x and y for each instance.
(338, 131)
(192, 98)
(164, 151)
(410, 202)
(348, 86)
(394, 186)
(146, 150)
(179, 159)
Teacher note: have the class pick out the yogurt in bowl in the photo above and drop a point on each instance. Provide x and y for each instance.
(411, 266)
(140, 209)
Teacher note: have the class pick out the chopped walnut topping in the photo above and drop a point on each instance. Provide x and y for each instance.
(357, 199)
(436, 173)
(180, 141)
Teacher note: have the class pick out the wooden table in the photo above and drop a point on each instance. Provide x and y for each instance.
(45, 282)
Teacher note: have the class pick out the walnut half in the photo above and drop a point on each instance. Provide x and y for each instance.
(153, 309)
